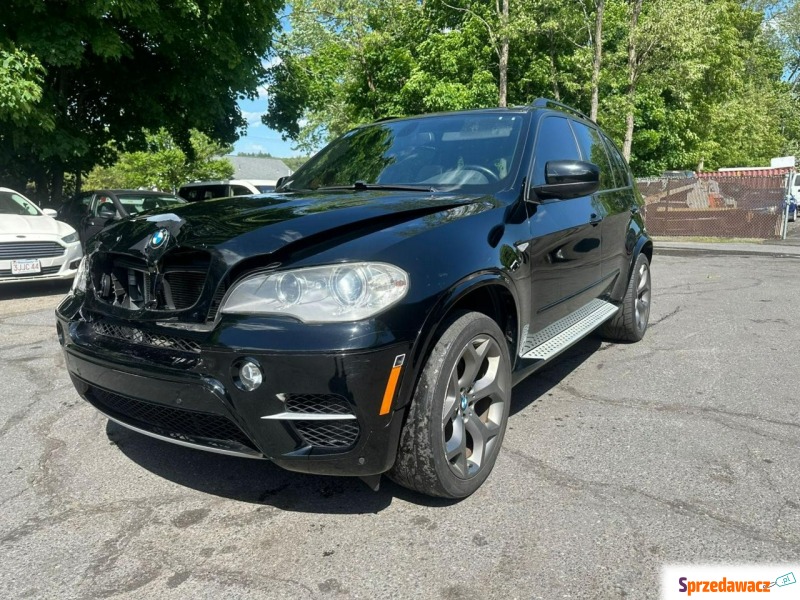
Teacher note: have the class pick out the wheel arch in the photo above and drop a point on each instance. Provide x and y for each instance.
(490, 293)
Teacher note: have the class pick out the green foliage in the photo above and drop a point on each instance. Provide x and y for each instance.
(21, 78)
(76, 75)
(164, 165)
(712, 82)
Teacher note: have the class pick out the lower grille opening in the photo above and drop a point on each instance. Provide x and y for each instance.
(178, 423)
(318, 404)
(338, 435)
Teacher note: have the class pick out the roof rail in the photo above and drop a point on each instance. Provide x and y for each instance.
(545, 102)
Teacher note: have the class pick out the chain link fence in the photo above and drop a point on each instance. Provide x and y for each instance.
(743, 203)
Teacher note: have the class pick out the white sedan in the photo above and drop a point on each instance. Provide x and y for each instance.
(33, 245)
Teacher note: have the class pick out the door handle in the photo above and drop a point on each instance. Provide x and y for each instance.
(595, 219)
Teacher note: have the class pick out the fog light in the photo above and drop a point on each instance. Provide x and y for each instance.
(250, 376)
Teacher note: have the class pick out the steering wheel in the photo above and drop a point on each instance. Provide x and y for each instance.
(486, 172)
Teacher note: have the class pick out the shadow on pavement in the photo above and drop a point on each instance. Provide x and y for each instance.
(33, 289)
(259, 481)
(541, 382)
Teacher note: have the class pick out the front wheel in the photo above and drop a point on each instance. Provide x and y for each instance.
(457, 418)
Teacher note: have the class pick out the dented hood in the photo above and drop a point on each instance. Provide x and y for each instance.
(243, 227)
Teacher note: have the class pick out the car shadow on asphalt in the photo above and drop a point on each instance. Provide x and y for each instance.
(548, 377)
(33, 289)
(261, 482)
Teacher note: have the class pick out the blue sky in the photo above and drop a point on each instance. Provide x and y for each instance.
(259, 137)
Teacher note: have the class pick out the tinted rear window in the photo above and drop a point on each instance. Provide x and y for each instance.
(203, 192)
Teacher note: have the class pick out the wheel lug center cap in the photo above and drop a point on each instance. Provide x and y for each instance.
(464, 403)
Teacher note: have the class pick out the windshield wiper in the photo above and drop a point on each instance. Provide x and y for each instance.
(363, 185)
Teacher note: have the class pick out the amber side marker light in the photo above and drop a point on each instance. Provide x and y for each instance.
(391, 385)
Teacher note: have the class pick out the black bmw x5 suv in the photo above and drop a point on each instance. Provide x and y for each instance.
(373, 314)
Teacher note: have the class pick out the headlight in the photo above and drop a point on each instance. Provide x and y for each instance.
(334, 293)
(71, 238)
(79, 283)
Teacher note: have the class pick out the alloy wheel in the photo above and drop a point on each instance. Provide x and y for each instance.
(473, 409)
(642, 301)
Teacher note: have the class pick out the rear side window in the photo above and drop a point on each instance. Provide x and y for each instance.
(240, 190)
(554, 142)
(594, 150)
(618, 164)
(203, 192)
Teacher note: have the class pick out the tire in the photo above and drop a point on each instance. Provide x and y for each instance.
(630, 323)
(457, 419)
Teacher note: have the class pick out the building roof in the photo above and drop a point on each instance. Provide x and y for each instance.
(254, 168)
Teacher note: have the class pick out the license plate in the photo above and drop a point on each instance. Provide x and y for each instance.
(24, 267)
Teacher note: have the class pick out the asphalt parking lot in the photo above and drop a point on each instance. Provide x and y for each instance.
(619, 459)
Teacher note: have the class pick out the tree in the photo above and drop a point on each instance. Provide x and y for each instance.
(102, 71)
(164, 165)
(349, 62)
(678, 83)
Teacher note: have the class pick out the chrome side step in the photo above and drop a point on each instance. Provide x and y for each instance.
(563, 333)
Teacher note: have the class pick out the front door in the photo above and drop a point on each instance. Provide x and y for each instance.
(565, 250)
(102, 211)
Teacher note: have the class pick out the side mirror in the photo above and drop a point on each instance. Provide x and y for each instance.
(565, 179)
(280, 182)
(50, 212)
(106, 211)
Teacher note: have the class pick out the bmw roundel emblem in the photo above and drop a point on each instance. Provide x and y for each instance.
(159, 238)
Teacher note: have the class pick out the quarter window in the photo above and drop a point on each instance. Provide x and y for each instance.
(620, 168)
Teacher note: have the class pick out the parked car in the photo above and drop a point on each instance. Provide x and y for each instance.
(206, 190)
(33, 245)
(88, 212)
(372, 315)
(792, 205)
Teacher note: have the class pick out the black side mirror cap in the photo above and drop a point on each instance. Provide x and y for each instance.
(565, 179)
(107, 211)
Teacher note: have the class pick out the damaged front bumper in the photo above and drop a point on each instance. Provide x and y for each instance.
(323, 412)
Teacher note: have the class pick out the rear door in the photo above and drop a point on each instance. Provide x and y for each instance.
(564, 250)
(612, 200)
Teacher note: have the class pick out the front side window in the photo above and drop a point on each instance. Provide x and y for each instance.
(473, 151)
(553, 142)
(136, 203)
(12, 203)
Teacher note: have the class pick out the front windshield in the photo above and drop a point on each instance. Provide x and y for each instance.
(12, 203)
(472, 150)
(136, 203)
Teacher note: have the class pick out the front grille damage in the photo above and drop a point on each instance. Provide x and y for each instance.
(207, 429)
(145, 338)
(131, 283)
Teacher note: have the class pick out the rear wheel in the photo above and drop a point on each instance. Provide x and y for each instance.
(457, 419)
(630, 323)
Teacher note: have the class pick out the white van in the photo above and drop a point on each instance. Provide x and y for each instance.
(204, 190)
